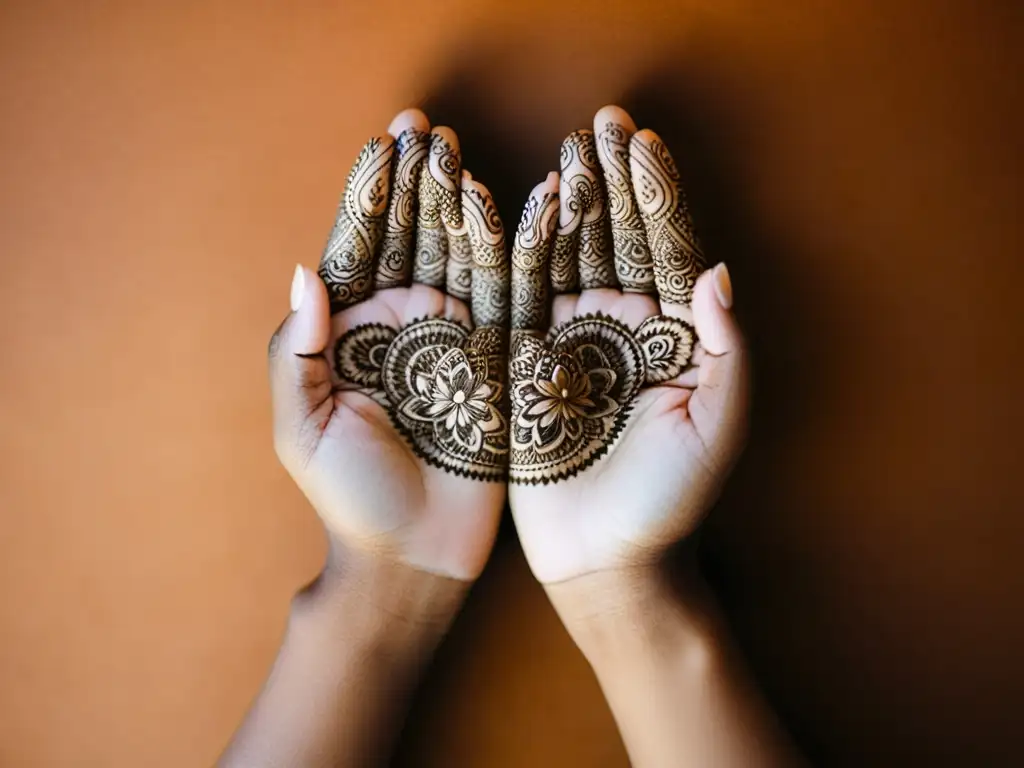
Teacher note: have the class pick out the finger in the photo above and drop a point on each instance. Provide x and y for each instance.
(530, 253)
(412, 141)
(348, 261)
(719, 405)
(613, 128)
(565, 268)
(491, 274)
(583, 231)
(459, 265)
(438, 187)
(300, 376)
(678, 260)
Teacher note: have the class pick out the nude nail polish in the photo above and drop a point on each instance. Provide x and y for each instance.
(298, 287)
(723, 286)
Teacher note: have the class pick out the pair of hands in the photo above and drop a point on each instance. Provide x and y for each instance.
(392, 414)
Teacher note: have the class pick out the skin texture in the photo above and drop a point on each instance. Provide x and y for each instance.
(655, 451)
(408, 532)
(670, 451)
(391, 417)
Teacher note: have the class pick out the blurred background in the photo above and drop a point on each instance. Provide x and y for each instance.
(163, 166)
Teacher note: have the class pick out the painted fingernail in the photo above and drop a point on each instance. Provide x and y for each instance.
(298, 287)
(723, 286)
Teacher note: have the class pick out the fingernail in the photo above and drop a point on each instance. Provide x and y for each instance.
(723, 286)
(298, 287)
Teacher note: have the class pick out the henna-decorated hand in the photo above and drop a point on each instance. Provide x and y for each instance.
(623, 426)
(390, 415)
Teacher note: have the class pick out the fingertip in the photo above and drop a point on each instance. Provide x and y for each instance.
(613, 114)
(645, 137)
(714, 321)
(311, 317)
(547, 187)
(406, 119)
(447, 134)
(469, 183)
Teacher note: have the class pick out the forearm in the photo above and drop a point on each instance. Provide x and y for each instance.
(356, 642)
(675, 685)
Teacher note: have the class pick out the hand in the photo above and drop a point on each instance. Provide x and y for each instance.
(623, 426)
(389, 415)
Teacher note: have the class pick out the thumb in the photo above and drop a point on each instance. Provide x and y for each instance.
(720, 403)
(300, 376)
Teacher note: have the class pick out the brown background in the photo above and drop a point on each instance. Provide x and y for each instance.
(859, 166)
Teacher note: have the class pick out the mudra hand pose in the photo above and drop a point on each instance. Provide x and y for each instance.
(596, 374)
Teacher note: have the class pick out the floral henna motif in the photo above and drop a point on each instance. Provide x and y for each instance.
(573, 392)
(442, 387)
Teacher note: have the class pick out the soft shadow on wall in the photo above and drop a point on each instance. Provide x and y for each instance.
(867, 647)
(510, 146)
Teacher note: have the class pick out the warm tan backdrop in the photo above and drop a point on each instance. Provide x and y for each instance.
(162, 168)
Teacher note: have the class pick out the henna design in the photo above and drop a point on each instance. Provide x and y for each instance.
(633, 262)
(490, 301)
(459, 267)
(678, 260)
(572, 393)
(437, 190)
(581, 256)
(530, 261)
(347, 264)
(394, 265)
(442, 387)
(667, 344)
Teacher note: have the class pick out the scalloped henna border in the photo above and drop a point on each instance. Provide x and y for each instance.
(613, 435)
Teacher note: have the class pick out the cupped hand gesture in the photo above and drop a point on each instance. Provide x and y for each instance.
(388, 377)
(627, 382)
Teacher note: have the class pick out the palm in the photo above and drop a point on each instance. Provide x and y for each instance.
(626, 506)
(367, 482)
(620, 434)
(388, 411)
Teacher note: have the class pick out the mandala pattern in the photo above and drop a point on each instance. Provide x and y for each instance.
(394, 265)
(347, 264)
(572, 393)
(678, 260)
(633, 263)
(442, 386)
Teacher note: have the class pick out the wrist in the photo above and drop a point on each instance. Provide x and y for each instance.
(611, 612)
(378, 601)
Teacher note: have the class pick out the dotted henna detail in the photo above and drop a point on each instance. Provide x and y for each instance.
(442, 386)
(572, 393)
